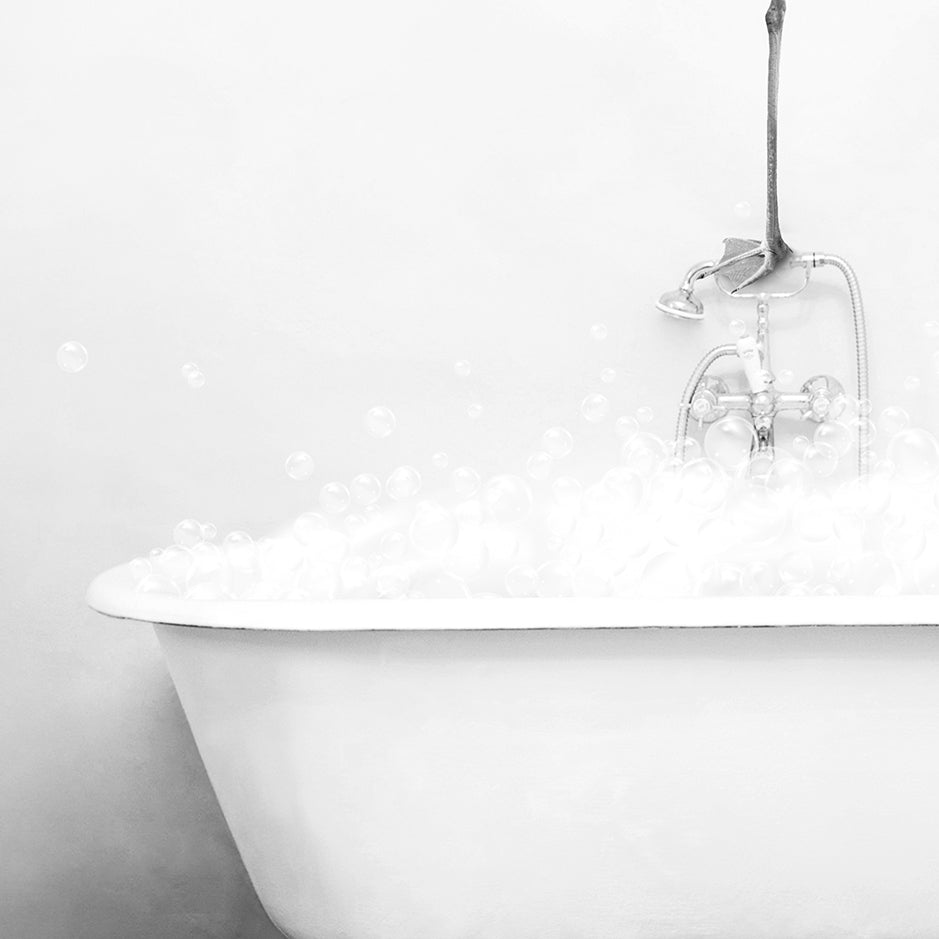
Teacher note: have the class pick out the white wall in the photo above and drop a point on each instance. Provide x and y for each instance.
(325, 205)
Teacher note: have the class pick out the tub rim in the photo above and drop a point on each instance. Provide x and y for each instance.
(112, 593)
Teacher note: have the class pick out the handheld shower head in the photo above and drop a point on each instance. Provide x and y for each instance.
(682, 304)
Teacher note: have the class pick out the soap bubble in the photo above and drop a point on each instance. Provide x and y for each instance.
(393, 545)
(308, 525)
(187, 533)
(704, 485)
(786, 376)
(788, 479)
(598, 332)
(931, 329)
(567, 490)
(835, 435)
(595, 408)
(539, 465)
(800, 443)
(174, 562)
(139, 568)
(403, 483)
(335, 497)
(474, 411)
(643, 453)
(608, 376)
(193, 375)
(466, 482)
(821, 459)
(626, 487)
(299, 465)
(440, 460)
(915, 453)
(644, 415)
(209, 531)
(912, 383)
(893, 420)
(729, 441)
(366, 489)
(554, 579)
(380, 422)
(71, 357)
(626, 427)
(558, 442)
(521, 581)
(507, 498)
(462, 368)
(392, 582)
(355, 524)
(433, 530)
(743, 209)
(737, 328)
(240, 550)
(158, 584)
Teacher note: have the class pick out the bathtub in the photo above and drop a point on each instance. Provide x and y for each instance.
(568, 769)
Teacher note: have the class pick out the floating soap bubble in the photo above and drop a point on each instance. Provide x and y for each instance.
(403, 483)
(687, 449)
(626, 486)
(539, 465)
(299, 465)
(643, 453)
(626, 427)
(800, 443)
(931, 329)
(174, 562)
(71, 357)
(440, 460)
(820, 459)
(835, 435)
(893, 419)
(743, 209)
(595, 408)
(462, 368)
(380, 422)
(788, 479)
(195, 378)
(335, 498)
(558, 442)
(598, 332)
(644, 415)
(705, 485)
(912, 383)
(608, 376)
(737, 328)
(786, 376)
(139, 568)
(474, 411)
(566, 490)
(366, 489)
(466, 482)
(433, 530)
(915, 454)
(729, 442)
(188, 369)
(209, 531)
(187, 533)
(355, 524)
(507, 498)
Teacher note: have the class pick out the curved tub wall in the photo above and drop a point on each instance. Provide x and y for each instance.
(544, 784)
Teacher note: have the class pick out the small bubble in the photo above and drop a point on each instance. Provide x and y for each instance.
(299, 465)
(539, 465)
(645, 415)
(209, 531)
(821, 459)
(140, 568)
(507, 498)
(187, 533)
(893, 420)
(474, 411)
(599, 332)
(834, 434)
(403, 483)
(462, 368)
(193, 375)
(355, 524)
(189, 368)
(558, 442)
(626, 427)
(608, 376)
(335, 497)
(71, 357)
(743, 209)
(394, 545)
(380, 422)
(366, 489)
(931, 329)
(392, 582)
(911, 383)
(567, 490)
(595, 408)
(241, 551)
(440, 460)
(800, 443)
(466, 482)
(915, 453)
(738, 328)
(786, 376)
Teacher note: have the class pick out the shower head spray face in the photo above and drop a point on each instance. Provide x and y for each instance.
(682, 304)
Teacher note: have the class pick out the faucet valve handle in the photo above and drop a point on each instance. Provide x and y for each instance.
(706, 406)
(825, 398)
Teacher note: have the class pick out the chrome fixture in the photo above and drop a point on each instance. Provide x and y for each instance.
(745, 262)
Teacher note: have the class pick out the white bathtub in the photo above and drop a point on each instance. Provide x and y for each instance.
(550, 769)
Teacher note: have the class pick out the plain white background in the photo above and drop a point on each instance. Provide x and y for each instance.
(325, 206)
